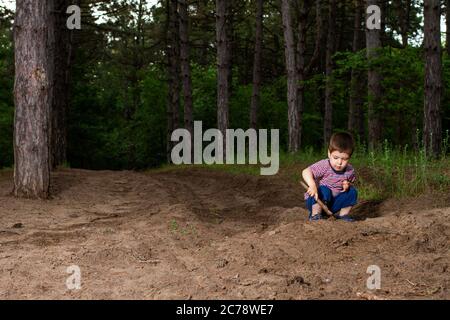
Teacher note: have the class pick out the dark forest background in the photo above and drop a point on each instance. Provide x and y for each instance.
(126, 76)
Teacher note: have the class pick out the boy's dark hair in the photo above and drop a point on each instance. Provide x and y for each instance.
(342, 142)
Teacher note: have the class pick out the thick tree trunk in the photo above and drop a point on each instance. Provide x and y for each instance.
(223, 60)
(357, 82)
(173, 48)
(60, 99)
(292, 79)
(301, 52)
(254, 107)
(331, 39)
(432, 131)
(186, 67)
(32, 100)
(373, 43)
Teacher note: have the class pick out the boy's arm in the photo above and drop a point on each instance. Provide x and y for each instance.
(309, 179)
(352, 177)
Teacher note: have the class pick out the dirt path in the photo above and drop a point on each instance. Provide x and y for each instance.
(201, 234)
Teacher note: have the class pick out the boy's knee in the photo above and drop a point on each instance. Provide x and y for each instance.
(352, 194)
(325, 193)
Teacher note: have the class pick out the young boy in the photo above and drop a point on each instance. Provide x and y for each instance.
(335, 177)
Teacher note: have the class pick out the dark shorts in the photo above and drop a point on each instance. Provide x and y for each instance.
(342, 200)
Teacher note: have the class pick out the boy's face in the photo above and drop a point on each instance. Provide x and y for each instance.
(338, 160)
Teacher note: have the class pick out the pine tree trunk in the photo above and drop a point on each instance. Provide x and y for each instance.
(432, 132)
(32, 100)
(292, 79)
(173, 54)
(186, 67)
(255, 102)
(373, 43)
(223, 60)
(331, 38)
(357, 82)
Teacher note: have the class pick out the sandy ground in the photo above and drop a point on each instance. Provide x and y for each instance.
(200, 234)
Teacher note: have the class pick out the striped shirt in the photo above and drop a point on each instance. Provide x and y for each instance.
(325, 175)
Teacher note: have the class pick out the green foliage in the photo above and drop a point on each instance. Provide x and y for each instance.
(149, 124)
(204, 92)
(96, 121)
(399, 172)
(402, 86)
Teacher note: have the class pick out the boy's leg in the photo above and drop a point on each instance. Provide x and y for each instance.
(314, 208)
(344, 202)
(345, 211)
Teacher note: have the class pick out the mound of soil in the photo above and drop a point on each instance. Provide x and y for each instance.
(200, 234)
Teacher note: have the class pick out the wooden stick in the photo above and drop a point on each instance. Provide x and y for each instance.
(321, 204)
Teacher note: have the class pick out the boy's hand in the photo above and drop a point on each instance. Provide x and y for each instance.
(312, 191)
(345, 186)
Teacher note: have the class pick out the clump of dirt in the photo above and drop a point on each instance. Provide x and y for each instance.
(202, 234)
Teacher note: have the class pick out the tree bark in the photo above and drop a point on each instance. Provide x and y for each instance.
(173, 48)
(186, 67)
(292, 78)
(357, 82)
(255, 102)
(331, 38)
(223, 60)
(373, 44)
(432, 132)
(32, 100)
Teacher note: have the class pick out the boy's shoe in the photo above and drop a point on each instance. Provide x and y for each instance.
(315, 217)
(345, 218)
